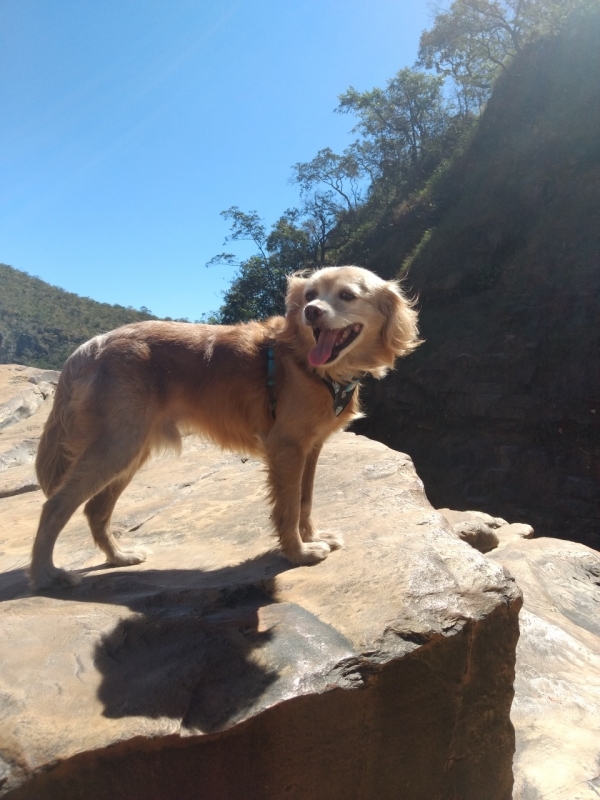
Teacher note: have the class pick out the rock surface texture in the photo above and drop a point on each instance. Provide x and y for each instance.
(216, 670)
(556, 712)
(23, 392)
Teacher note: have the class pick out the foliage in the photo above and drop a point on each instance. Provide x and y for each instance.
(476, 39)
(403, 132)
(41, 325)
(258, 289)
(408, 261)
(397, 125)
(341, 174)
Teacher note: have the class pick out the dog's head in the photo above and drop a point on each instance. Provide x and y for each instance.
(347, 320)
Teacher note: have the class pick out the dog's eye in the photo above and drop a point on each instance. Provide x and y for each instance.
(347, 296)
(310, 295)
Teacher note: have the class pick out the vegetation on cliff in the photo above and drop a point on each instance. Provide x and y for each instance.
(379, 201)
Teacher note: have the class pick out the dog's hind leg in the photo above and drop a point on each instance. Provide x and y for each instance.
(98, 511)
(103, 462)
(307, 529)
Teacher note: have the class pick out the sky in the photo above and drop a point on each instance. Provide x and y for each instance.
(127, 126)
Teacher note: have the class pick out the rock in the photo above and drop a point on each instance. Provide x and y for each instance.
(455, 517)
(18, 481)
(50, 376)
(216, 670)
(513, 533)
(18, 398)
(23, 411)
(556, 711)
(473, 527)
(476, 528)
(477, 534)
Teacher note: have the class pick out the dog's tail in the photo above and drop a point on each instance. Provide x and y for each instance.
(55, 454)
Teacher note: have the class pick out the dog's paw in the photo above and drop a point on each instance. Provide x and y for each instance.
(127, 558)
(52, 578)
(334, 540)
(309, 553)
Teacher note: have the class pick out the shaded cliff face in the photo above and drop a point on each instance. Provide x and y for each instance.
(500, 408)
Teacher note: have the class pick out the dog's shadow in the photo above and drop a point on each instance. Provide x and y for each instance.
(192, 650)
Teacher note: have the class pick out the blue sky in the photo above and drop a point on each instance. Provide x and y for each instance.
(128, 125)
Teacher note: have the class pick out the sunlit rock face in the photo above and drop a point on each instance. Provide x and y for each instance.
(216, 670)
(556, 711)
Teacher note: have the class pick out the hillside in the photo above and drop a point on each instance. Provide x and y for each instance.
(500, 408)
(41, 325)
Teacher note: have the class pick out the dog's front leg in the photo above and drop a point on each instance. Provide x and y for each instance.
(286, 465)
(307, 528)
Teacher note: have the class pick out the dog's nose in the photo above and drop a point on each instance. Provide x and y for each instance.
(312, 313)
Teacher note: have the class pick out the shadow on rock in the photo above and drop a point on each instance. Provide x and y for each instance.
(191, 652)
(177, 661)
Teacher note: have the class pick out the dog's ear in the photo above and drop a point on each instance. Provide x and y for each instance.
(294, 298)
(400, 331)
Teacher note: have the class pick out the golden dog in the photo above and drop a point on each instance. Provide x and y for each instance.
(276, 389)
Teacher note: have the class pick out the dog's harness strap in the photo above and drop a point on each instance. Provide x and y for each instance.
(341, 394)
(271, 379)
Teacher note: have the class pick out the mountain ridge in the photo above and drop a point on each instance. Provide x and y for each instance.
(41, 325)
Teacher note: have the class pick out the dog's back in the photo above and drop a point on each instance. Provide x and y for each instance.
(167, 377)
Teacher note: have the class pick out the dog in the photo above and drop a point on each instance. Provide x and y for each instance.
(277, 389)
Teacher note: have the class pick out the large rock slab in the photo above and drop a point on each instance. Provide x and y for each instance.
(557, 702)
(216, 670)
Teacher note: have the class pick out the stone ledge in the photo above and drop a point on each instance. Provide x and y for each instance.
(216, 670)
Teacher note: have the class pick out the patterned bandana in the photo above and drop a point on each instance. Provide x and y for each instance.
(341, 394)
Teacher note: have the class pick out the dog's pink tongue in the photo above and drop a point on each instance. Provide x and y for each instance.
(321, 352)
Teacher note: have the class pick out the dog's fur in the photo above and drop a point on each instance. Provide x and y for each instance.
(137, 389)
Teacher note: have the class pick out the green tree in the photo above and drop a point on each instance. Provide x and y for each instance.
(398, 129)
(397, 126)
(340, 174)
(259, 287)
(406, 134)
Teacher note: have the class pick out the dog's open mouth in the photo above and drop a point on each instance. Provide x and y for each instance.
(331, 342)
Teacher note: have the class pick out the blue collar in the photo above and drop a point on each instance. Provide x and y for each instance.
(341, 394)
